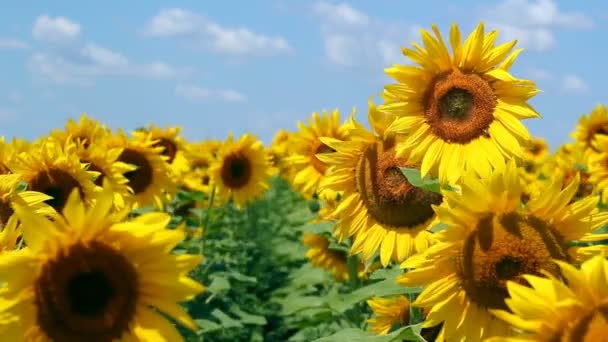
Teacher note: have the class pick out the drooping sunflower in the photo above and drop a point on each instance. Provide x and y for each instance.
(589, 127)
(459, 110)
(491, 239)
(380, 209)
(241, 170)
(93, 277)
(54, 170)
(334, 261)
(104, 160)
(387, 313)
(306, 144)
(87, 131)
(548, 310)
(9, 194)
(150, 182)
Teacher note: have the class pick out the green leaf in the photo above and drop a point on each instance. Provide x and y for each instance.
(207, 325)
(343, 302)
(241, 277)
(248, 318)
(413, 177)
(439, 227)
(219, 285)
(294, 303)
(408, 333)
(386, 273)
(21, 186)
(225, 320)
(316, 228)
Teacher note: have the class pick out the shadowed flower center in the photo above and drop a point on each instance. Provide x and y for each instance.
(140, 178)
(389, 198)
(319, 147)
(589, 327)
(504, 248)
(56, 183)
(86, 293)
(6, 211)
(460, 107)
(95, 168)
(169, 148)
(236, 170)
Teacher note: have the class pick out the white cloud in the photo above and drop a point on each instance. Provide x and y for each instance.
(352, 38)
(95, 61)
(12, 44)
(240, 41)
(342, 13)
(533, 22)
(574, 84)
(538, 74)
(195, 93)
(55, 29)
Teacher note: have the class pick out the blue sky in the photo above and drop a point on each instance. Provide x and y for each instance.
(219, 66)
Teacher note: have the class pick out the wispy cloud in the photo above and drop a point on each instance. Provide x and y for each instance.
(196, 93)
(352, 38)
(55, 29)
(199, 30)
(574, 84)
(533, 22)
(13, 44)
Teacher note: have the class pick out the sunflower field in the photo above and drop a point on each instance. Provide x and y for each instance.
(432, 216)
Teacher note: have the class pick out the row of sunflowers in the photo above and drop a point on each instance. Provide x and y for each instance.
(437, 218)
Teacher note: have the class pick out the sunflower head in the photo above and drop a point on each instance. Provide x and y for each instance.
(591, 126)
(90, 276)
(490, 240)
(149, 178)
(87, 131)
(388, 312)
(168, 139)
(241, 170)
(55, 170)
(307, 144)
(461, 109)
(321, 255)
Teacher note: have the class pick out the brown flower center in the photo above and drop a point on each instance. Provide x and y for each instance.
(319, 147)
(142, 177)
(4, 170)
(87, 292)
(460, 107)
(58, 184)
(6, 211)
(389, 198)
(169, 148)
(95, 168)
(504, 248)
(236, 170)
(599, 129)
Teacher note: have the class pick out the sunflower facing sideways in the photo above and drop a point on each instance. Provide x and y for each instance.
(334, 261)
(241, 170)
(387, 313)
(548, 310)
(306, 144)
(54, 170)
(173, 147)
(380, 209)
(92, 277)
(86, 131)
(491, 239)
(459, 110)
(589, 127)
(150, 181)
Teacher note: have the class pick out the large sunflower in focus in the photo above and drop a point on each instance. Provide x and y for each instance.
(548, 310)
(86, 131)
(241, 170)
(459, 110)
(491, 239)
(306, 144)
(150, 180)
(380, 208)
(589, 127)
(90, 277)
(54, 170)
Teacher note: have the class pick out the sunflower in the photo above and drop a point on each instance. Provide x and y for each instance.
(387, 313)
(589, 127)
(306, 144)
(380, 209)
(491, 239)
(536, 150)
(173, 148)
(241, 170)
(104, 160)
(9, 193)
(9, 235)
(199, 158)
(331, 260)
(86, 131)
(462, 110)
(549, 310)
(92, 277)
(569, 164)
(279, 152)
(54, 170)
(598, 165)
(150, 182)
